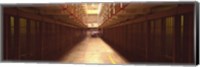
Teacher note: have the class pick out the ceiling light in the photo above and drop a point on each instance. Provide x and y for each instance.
(92, 9)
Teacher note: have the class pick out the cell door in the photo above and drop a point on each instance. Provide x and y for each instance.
(10, 47)
(23, 46)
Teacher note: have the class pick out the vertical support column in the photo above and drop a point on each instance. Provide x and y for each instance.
(189, 37)
(28, 40)
(179, 46)
(6, 38)
(163, 33)
(39, 40)
(43, 37)
(16, 40)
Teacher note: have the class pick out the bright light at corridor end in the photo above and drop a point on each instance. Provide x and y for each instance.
(93, 25)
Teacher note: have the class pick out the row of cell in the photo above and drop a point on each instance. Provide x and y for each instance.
(27, 39)
(166, 39)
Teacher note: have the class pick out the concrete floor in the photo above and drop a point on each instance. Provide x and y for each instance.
(93, 51)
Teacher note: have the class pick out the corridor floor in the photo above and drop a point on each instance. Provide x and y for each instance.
(93, 51)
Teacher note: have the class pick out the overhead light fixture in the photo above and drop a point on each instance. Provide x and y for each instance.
(89, 25)
(99, 8)
(92, 25)
(95, 25)
(93, 8)
(121, 5)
